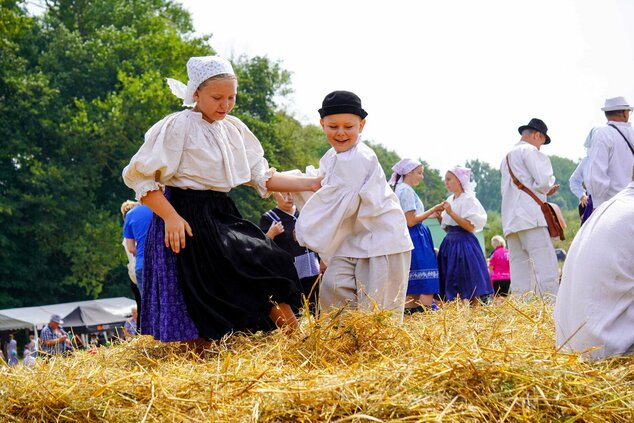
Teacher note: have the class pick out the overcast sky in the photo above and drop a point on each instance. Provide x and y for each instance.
(442, 81)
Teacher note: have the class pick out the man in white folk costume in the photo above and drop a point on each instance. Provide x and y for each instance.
(531, 253)
(594, 311)
(611, 154)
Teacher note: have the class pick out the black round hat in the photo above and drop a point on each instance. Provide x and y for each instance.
(536, 125)
(342, 102)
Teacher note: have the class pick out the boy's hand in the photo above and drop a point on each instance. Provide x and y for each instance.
(316, 184)
(275, 229)
(175, 229)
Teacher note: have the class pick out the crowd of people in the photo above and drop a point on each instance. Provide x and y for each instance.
(54, 340)
(341, 235)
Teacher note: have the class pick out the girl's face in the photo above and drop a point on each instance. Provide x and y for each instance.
(216, 98)
(342, 130)
(452, 183)
(415, 177)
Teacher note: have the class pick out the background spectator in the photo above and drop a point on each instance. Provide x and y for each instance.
(500, 267)
(54, 338)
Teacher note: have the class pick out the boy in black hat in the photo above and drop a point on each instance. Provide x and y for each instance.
(355, 221)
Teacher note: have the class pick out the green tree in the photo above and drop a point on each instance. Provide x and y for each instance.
(79, 87)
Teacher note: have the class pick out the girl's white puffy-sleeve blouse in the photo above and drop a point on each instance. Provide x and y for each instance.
(468, 207)
(185, 151)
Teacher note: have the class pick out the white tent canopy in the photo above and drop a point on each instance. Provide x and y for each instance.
(37, 317)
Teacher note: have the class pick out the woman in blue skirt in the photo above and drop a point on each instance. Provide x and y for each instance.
(423, 274)
(461, 263)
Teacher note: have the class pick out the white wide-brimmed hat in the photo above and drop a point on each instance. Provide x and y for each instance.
(615, 104)
(199, 69)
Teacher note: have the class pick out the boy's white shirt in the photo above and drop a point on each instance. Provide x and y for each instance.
(355, 213)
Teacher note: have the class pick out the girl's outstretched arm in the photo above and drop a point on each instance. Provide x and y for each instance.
(284, 182)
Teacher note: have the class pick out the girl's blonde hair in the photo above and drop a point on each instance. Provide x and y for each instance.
(215, 78)
(497, 241)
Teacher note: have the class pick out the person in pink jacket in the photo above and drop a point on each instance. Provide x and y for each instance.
(499, 267)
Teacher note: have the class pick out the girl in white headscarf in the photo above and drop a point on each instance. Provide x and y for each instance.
(461, 263)
(423, 273)
(208, 272)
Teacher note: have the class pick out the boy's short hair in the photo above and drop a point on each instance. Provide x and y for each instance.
(342, 102)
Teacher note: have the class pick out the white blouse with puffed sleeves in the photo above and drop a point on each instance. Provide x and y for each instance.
(185, 151)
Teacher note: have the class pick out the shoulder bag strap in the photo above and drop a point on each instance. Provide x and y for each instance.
(521, 185)
(625, 139)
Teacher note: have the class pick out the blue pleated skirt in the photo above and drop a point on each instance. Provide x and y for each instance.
(462, 267)
(423, 273)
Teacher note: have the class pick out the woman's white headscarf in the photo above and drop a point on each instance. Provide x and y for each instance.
(199, 69)
(401, 169)
(464, 176)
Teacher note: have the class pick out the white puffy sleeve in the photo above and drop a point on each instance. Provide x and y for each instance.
(374, 192)
(468, 207)
(158, 158)
(577, 178)
(472, 210)
(258, 165)
(328, 216)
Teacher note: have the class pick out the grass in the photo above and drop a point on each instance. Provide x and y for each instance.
(492, 363)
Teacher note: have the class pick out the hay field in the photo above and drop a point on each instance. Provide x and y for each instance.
(493, 363)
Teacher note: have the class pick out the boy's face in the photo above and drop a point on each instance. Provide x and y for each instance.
(284, 201)
(342, 130)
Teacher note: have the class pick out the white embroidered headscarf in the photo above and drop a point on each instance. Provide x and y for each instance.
(464, 176)
(401, 169)
(199, 69)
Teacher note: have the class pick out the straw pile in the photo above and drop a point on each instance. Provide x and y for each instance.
(493, 363)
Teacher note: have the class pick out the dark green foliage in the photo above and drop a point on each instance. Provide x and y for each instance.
(79, 87)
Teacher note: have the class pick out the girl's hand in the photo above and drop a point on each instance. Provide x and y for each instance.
(446, 206)
(175, 229)
(584, 200)
(438, 208)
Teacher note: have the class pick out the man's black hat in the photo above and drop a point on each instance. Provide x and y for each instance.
(537, 125)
